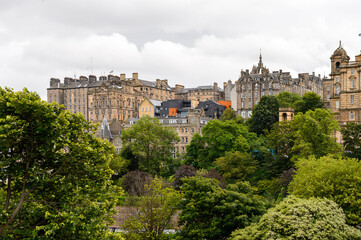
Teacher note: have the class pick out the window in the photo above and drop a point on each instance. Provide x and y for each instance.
(352, 83)
(242, 104)
(328, 96)
(337, 90)
(352, 116)
(337, 79)
(243, 114)
(337, 104)
(352, 71)
(328, 89)
(142, 109)
(352, 99)
(150, 109)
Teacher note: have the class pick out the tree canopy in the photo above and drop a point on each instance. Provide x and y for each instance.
(337, 179)
(210, 212)
(351, 136)
(264, 115)
(54, 174)
(296, 218)
(309, 101)
(151, 145)
(287, 99)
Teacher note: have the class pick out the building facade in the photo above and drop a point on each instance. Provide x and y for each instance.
(200, 93)
(252, 85)
(115, 97)
(345, 99)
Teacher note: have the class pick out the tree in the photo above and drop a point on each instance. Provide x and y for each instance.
(236, 166)
(264, 115)
(314, 134)
(153, 212)
(287, 99)
(183, 171)
(54, 171)
(228, 114)
(351, 136)
(210, 212)
(151, 144)
(337, 179)
(309, 101)
(218, 138)
(134, 181)
(296, 218)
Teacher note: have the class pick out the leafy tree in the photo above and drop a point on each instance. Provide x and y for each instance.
(218, 138)
(287, 99)
(228, 114)
(210, 212)
(264, 115)
(337, 179)
(313, 134)
(134, 181)
(183, 171)
(297, 218)
(153, 212)
(236, 166)
(309, 101)
(351, 136)
(54, 171)
(151, 144)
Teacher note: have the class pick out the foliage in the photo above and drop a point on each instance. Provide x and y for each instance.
(313, 134)
(153, 212)
(55, 172)
(351, 136)
(285, 179)
(134, 181)
(264, 115)
(236, 166)
(218, 138)
(151, 145)
(309, 101)
(337, 179)
(183, 171)
(296, 218)
(210, 212)
(213, 174)
(287, 99)
(228, 114)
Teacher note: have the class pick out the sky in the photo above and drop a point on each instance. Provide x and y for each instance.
(188, 42)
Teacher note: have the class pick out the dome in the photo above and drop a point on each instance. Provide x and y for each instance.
(339, 51)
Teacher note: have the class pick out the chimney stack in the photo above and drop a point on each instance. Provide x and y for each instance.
(122, 76)
(135, 76)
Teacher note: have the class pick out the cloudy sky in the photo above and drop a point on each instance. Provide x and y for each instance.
(190, 42)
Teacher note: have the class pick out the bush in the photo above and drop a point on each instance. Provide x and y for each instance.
(297, 218)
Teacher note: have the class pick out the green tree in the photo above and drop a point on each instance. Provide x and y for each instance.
(151, 144)
(296, 218)
(314, 134)
(264, 115)
(351, 136)
(153, 212)
(236, 166)
(210, 212)
(337, 179)
(217, 138)
(228, 114)
(309, 101)
(287, 99)
(54, 171)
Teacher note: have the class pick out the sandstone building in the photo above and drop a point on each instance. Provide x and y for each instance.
(254, 84)
(115, 97)
(200, 93)
(345, 86)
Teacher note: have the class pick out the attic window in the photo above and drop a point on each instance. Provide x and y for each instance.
(337, 65)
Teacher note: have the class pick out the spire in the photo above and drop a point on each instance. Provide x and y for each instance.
(260, 56)
(340, 43)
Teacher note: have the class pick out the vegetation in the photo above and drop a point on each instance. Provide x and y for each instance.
(331, 177)
(309, 101)
(297, 218)
(210, 212)
(55, 175)
(287, 99)
(150, 144)
(351, 136)
(153, 212)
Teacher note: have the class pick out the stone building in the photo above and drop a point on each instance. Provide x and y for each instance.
(200, 93)
(115, 97)
(230, 93)
(252, 85)
(345, 100)
(149, 107)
